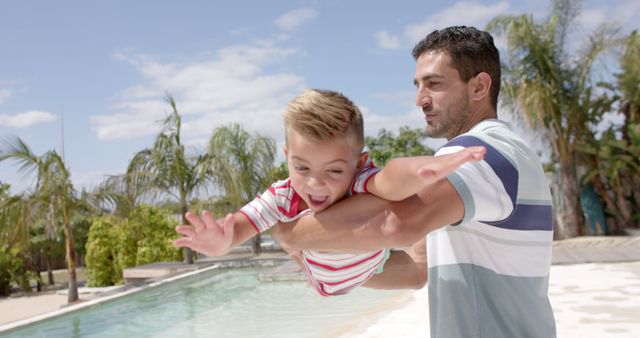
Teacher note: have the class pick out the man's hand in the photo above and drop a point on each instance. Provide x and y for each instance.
(206, 235)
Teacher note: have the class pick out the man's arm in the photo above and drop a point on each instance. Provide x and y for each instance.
(365, 223)
(403, 270)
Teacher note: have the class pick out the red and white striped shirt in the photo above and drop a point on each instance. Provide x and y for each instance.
(330, 273)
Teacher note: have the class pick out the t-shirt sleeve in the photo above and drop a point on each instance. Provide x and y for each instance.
(488, 188)
(359, 185)
(264, 211)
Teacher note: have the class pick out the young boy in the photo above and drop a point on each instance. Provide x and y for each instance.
(324, 149)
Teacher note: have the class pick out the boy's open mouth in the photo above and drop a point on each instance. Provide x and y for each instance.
(317, 201)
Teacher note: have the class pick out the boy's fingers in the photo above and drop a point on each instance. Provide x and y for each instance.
(197, 223)
(476, 152)
(208, 220)
(186, 230)
(182, 242)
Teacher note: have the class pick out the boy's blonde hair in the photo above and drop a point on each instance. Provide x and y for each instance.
(322, 114)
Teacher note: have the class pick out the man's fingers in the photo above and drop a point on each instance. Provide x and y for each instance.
(197, 223)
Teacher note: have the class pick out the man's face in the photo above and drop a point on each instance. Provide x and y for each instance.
(442, 95)
(321, 172)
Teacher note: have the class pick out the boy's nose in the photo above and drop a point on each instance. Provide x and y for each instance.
(315, 182)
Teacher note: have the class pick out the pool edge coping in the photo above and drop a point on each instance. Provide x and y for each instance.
(7, 328)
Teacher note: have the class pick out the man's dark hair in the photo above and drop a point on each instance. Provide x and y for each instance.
(472, 51)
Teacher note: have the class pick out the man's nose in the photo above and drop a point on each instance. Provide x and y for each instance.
(422, 98)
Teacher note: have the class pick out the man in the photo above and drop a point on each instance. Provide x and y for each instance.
(488, 226)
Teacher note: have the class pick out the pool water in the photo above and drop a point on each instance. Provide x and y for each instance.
(220, 303)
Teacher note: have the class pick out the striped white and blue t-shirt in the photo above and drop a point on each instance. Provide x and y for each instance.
(329, 273)
(489, 275)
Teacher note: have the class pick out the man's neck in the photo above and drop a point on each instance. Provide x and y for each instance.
(476, 117)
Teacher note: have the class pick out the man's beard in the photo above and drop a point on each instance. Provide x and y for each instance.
(452, 119)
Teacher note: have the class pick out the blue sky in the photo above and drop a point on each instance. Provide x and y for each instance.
(106, 65)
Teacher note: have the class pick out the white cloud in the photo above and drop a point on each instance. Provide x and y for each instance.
(4, 95)
(386, 40)
(460, 13)
(27, 119)
(295, 18)
(475, 14)
(232, 86)
(624, 13)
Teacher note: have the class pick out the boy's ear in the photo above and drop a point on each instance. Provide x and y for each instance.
(364, 156)
(286, 151)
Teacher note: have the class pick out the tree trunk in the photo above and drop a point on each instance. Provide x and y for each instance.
(49, 269)
(256, 245)
(572, 221)
(635, 187)
(625, 213)
(602, 192)
(71, 263)
(188, 254)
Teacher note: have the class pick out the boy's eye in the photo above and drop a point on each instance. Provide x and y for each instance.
(300, 168)
(335, 171)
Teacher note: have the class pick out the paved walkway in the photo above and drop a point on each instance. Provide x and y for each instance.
(591, 249)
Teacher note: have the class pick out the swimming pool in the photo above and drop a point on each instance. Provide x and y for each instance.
(220, 303)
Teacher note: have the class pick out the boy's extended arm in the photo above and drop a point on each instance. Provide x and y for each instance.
(214, 238)
(402, 177)
(364, 222)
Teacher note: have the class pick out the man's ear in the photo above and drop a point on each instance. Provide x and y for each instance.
(480, 86)
(364, 156)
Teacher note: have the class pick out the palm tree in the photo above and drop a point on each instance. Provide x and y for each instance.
(629, 89)
(54, 192)
(121, 194)
(555, 92)
(167, 167)
(240, 163)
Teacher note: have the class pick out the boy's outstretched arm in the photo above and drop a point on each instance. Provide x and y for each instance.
(366, 222)
(214, 237)
(405, 176)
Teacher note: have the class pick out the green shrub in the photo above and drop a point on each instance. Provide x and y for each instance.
(156, 231)
(13, 269)
(116, 245)
(102, 247)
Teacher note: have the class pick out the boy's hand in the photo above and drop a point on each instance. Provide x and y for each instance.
(205, 235)
(439, 167)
